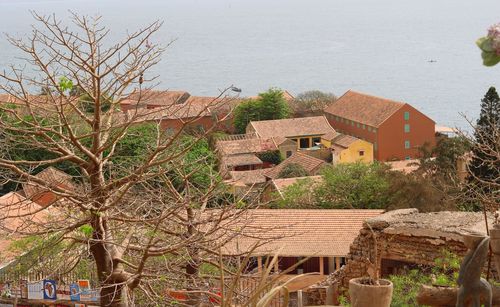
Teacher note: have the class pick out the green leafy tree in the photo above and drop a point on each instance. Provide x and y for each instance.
(299, 195)
(268, 105)
(416, 190)
(292, 170)
(447, 152)
(273, 104)
(244, 113)
(354, 185)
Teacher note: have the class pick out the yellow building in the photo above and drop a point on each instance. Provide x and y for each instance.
(348, 149)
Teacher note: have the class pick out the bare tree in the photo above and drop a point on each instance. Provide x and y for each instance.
(143, 221)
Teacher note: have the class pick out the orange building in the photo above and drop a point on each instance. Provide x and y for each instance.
(396, 129)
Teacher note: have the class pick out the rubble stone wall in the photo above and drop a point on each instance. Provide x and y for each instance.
(422, 250)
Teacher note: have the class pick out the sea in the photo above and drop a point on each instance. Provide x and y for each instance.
(421, 51)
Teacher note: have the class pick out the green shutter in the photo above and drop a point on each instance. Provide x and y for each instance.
(407, 115)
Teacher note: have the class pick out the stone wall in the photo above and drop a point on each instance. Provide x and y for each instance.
(407, 242)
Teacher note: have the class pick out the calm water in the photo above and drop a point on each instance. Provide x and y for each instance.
(376, 46)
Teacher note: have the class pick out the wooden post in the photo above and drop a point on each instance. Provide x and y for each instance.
(321, 266)
(276, 266)
(337, 263)
(332, 296)
(259, 264)
(300, 302)
(331, 265)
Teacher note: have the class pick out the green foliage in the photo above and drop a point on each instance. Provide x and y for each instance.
(200, 161)
(343, 301)
(86, 230)
(88, 104)
(298, 195)
(447, 152)
(268, 105)
(244, 113)
(273, 157)
(292, 170)
(489, 54)
(446, 269)
(406, 284)
(406, 287)
(354, 185)
(65, 84)
(133, 147)
(415, 190)
(209, 269)
(273, 105)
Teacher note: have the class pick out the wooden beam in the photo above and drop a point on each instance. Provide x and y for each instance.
(321, 265)
(276, 266)
(337, 263)
(259, 264)
(446, 296)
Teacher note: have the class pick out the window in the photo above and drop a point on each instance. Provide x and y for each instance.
(364, 126)
(374, 130)
(304, 143)
(407, 115)
(375, 146)
(361, 153)
(288, 153)
(336, 118)
(407, 128)
(357, 125)
(369, 128)
(407, 144)
(316, 140)
(408, 158)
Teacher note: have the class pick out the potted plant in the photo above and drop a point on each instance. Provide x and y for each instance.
(371, 291)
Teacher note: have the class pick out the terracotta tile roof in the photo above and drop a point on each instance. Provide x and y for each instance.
(364, 108)
(280, 140)
(233, 147)
(194, 107)
(291, 127)
(310, 164)
(241, 159)
(248, 177)
(298, 232)
(18, 215)
(54, 178)
(283, 183)
(330, 136)
(156, 98)
(344, 140)
(41, 194)
(280, 184)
